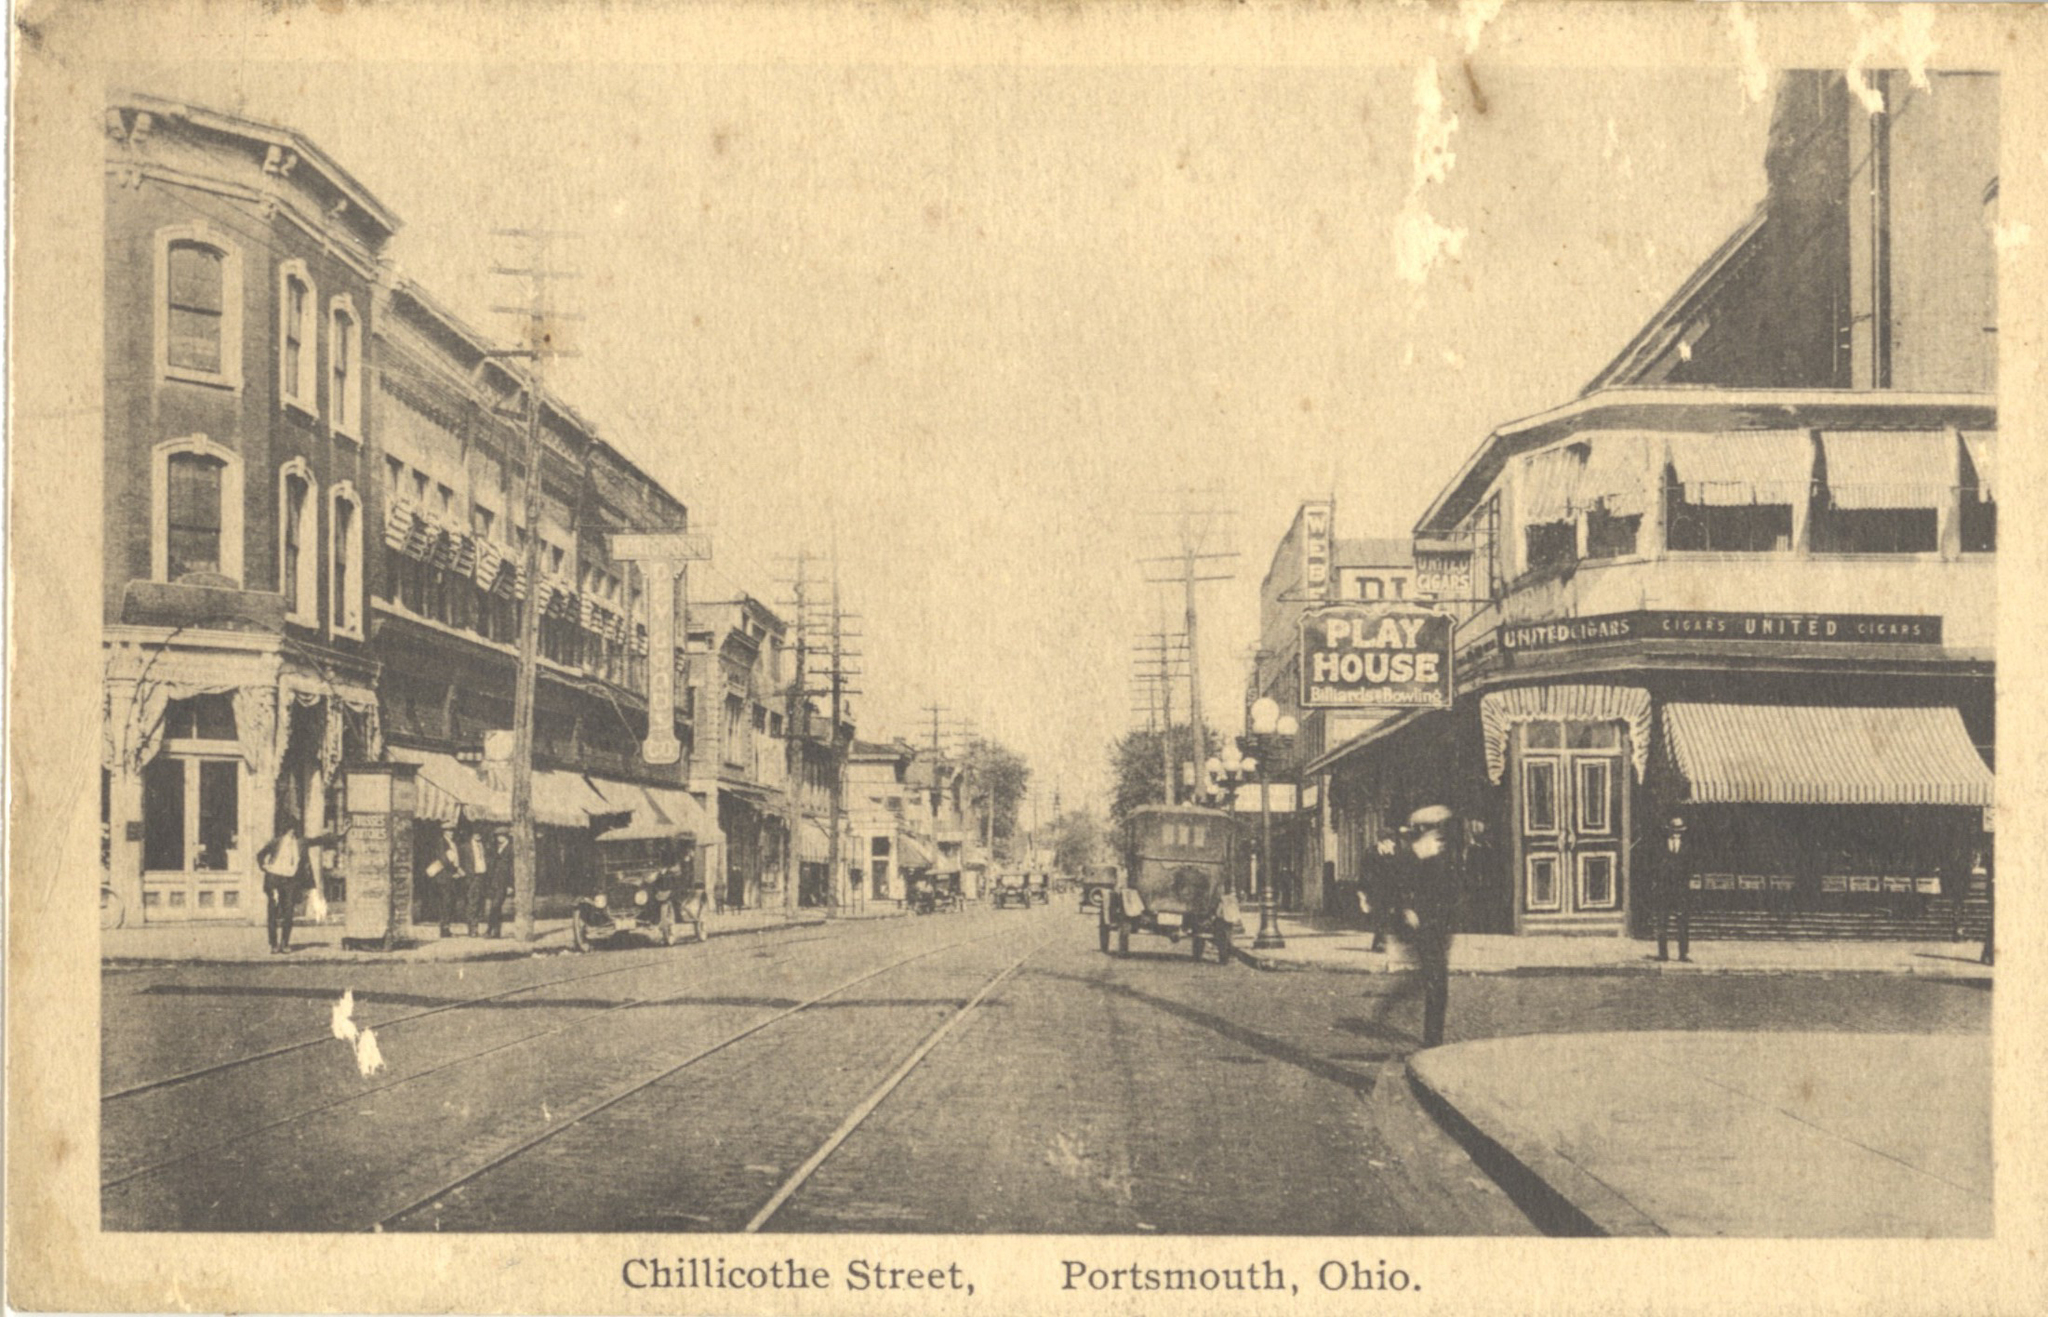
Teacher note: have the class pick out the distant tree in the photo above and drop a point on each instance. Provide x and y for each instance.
(1080, 841)
(1136, 768)
(999, 777)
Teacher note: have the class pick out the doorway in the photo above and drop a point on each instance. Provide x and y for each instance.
(1571, 826)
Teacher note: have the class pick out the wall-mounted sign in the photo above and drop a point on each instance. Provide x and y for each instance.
(1440, 575)
(1748, 628)
(1376, 656)
(1315, 549)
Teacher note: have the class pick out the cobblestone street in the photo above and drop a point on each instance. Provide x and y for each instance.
(822, 1079)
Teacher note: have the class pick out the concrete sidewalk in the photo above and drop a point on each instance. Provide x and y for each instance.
(1783, 1135)
(1317, 945)
(214, 943)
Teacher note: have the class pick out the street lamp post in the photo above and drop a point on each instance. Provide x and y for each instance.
(1270, 731)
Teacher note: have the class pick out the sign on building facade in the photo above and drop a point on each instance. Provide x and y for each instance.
(1376, 656)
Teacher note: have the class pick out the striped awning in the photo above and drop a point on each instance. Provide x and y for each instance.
(656, 811)
(813, 844)
(912, 853)
(1827, 755)
(1733, 468)
(560, 799)
(449, 788)
(1500, 711)
(1888, 468)
(1550, 479)
(1981, 447)
(1617, 475)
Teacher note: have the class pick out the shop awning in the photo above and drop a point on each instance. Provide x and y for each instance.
(1797, 755)
(1617, 476)
(1732, 468)
(1888, 468)
(1981, 447)
(657, 811)
(567, 800)
(912, 853)
(447, 785)
(1549, 480)
(813, 843)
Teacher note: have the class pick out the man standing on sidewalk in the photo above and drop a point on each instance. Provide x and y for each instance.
(1674, 891)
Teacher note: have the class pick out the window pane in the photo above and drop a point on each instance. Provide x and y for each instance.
(195, 278)
(294, 513)
(345, 549)
(163, 814)
(213, 717)
(218, 812)
(194, 342)
(193, 499)
(1593, 736)
(1539, 795)
(1544, 735)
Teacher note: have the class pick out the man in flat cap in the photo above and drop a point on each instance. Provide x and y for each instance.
(1426, 861)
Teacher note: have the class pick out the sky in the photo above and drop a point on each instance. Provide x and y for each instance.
(979, 326)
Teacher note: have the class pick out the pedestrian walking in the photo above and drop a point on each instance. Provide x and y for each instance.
(490, 873)
(451, 883)
(286, 876)
(1990, 902)
(1427, 869)
(1673, 888)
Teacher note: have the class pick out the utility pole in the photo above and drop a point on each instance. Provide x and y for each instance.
(539, 336)
(796, 720)
(1193, 524)
(1161, 648)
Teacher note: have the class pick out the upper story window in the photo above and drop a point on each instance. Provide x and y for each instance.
(482, 521)
(1882, 491)
(394, 477)
(344, 369)
(1980, 502)
(345, 571)
(297, 535)
(296, 348)
(196, 511)
(198, 307)
(1736, 491)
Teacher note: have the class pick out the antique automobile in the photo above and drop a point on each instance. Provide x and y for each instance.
(1013, 888)
(1041, 887)
(935, 893)
(1097, 883)
(642, 892)
(1179, 864)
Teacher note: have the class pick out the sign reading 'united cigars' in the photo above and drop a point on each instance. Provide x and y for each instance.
(1749, 628)
(1356, 656)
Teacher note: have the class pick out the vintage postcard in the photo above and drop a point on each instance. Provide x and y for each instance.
(1025, 658)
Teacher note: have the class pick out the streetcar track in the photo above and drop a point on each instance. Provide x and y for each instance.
(584, 1018)
(868, 1105)
(571, 1121)
(232, 1063)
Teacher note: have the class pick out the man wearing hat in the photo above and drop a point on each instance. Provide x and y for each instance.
(1427, 867)
(1674, 891)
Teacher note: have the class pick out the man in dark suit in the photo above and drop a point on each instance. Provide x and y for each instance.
(1423, 883)
(1673, 886)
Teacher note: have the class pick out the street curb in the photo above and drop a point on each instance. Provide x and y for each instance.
(1557, 1194)
(1273, 966)
(400, 957)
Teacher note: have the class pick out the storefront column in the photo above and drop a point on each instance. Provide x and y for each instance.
(124, 849)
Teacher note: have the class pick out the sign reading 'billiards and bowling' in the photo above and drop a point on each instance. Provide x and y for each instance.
(1356, 656)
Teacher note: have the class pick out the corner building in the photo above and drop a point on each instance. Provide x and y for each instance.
(1746, 577)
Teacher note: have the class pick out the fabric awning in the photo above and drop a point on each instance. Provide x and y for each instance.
(567, 800)
(1828, 755)
(813, 843)
(1500, 711)
(1888, 468)
(1550, 478)
(657, 811)
(1732, 468)
(1981, 447)
(912, 853)
(1617, 475)
(447, 786)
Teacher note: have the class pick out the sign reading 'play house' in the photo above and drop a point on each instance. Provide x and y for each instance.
(1375, 656)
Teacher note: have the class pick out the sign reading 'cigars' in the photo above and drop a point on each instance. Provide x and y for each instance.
(1754, 628)
(1357, 656)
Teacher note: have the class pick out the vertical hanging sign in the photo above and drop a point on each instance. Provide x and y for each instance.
(664, 557)
(1315, 550)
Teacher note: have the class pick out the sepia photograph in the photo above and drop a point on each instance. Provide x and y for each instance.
(1217, 668)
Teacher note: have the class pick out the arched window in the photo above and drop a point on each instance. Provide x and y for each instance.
(198, 306)
(344, 369)
(296, 348)
(196, 511)
(298, 535)
(345, 572)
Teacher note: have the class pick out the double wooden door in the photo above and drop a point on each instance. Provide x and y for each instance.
(1571, 821)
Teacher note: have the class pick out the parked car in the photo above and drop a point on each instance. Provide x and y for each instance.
(1013, 889)
(1179, 866)
(935, 893)
(1096, 884)
(642, 891)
